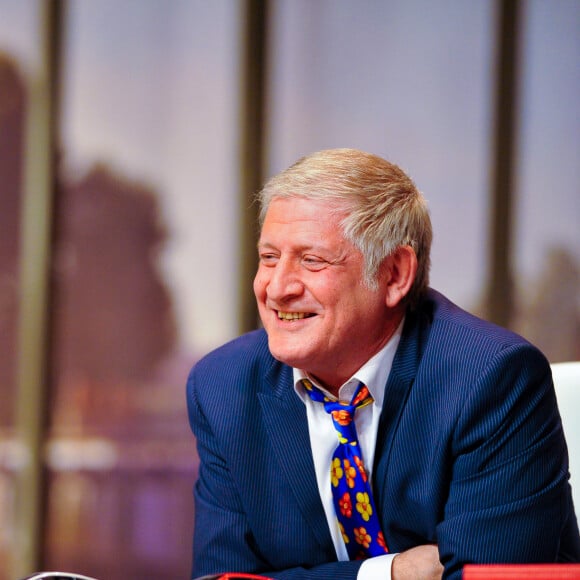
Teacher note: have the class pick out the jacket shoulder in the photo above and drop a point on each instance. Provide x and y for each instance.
(245, 354)
(451, 323)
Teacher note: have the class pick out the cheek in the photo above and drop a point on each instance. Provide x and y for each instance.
(259, 285)
(359, 307)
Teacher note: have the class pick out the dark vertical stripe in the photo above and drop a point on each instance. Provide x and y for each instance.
(252, 119)
(499, 300)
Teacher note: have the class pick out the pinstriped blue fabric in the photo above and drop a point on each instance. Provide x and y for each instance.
(470, 455)
(248, 517)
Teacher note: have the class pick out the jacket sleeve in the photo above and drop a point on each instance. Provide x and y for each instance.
(509, 498)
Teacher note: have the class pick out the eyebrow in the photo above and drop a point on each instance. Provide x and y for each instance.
(302, 248)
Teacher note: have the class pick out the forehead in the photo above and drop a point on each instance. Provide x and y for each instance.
(297, 209)
(295, 217)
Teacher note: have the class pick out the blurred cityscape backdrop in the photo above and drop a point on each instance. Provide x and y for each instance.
(166, 116)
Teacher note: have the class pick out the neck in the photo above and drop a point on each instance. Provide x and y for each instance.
(332, 381)
(331, 388)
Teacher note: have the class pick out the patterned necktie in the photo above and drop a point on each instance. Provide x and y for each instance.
(351, 490)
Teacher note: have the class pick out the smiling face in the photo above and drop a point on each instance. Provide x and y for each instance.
(318, 313)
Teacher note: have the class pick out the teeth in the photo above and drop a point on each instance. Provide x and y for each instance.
(291, 315)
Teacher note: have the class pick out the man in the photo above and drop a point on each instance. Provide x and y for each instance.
(460, 443)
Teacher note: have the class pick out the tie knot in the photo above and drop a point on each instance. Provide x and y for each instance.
(360, 398)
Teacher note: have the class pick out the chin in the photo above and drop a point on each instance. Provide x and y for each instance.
(286, 354)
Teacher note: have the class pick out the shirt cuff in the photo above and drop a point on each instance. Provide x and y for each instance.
(376, 568)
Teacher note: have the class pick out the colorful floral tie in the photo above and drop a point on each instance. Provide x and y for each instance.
(351, 490)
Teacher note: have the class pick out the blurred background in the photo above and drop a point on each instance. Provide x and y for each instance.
(133, 134)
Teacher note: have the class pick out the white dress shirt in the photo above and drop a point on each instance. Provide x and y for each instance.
(323, 441)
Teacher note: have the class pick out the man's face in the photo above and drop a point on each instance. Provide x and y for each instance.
(318, 313)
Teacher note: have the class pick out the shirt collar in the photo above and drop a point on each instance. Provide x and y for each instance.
(374, 373)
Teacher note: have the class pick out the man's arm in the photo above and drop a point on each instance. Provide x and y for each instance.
(220, 522)
(509, 500)
(210, 555)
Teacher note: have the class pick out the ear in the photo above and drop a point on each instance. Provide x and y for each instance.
(401, 269)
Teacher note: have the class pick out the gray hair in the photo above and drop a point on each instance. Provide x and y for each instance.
(382, 207)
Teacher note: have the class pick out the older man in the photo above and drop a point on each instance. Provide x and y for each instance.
(373, 429)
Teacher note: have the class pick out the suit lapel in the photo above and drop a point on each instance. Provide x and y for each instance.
(401, 377)
(287, 427)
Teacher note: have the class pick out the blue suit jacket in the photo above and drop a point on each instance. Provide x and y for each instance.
(470, 455)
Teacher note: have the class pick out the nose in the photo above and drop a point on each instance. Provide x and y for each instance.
(284, 283)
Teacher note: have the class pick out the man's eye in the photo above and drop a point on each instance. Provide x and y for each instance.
(313, 262)
(268, 259)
